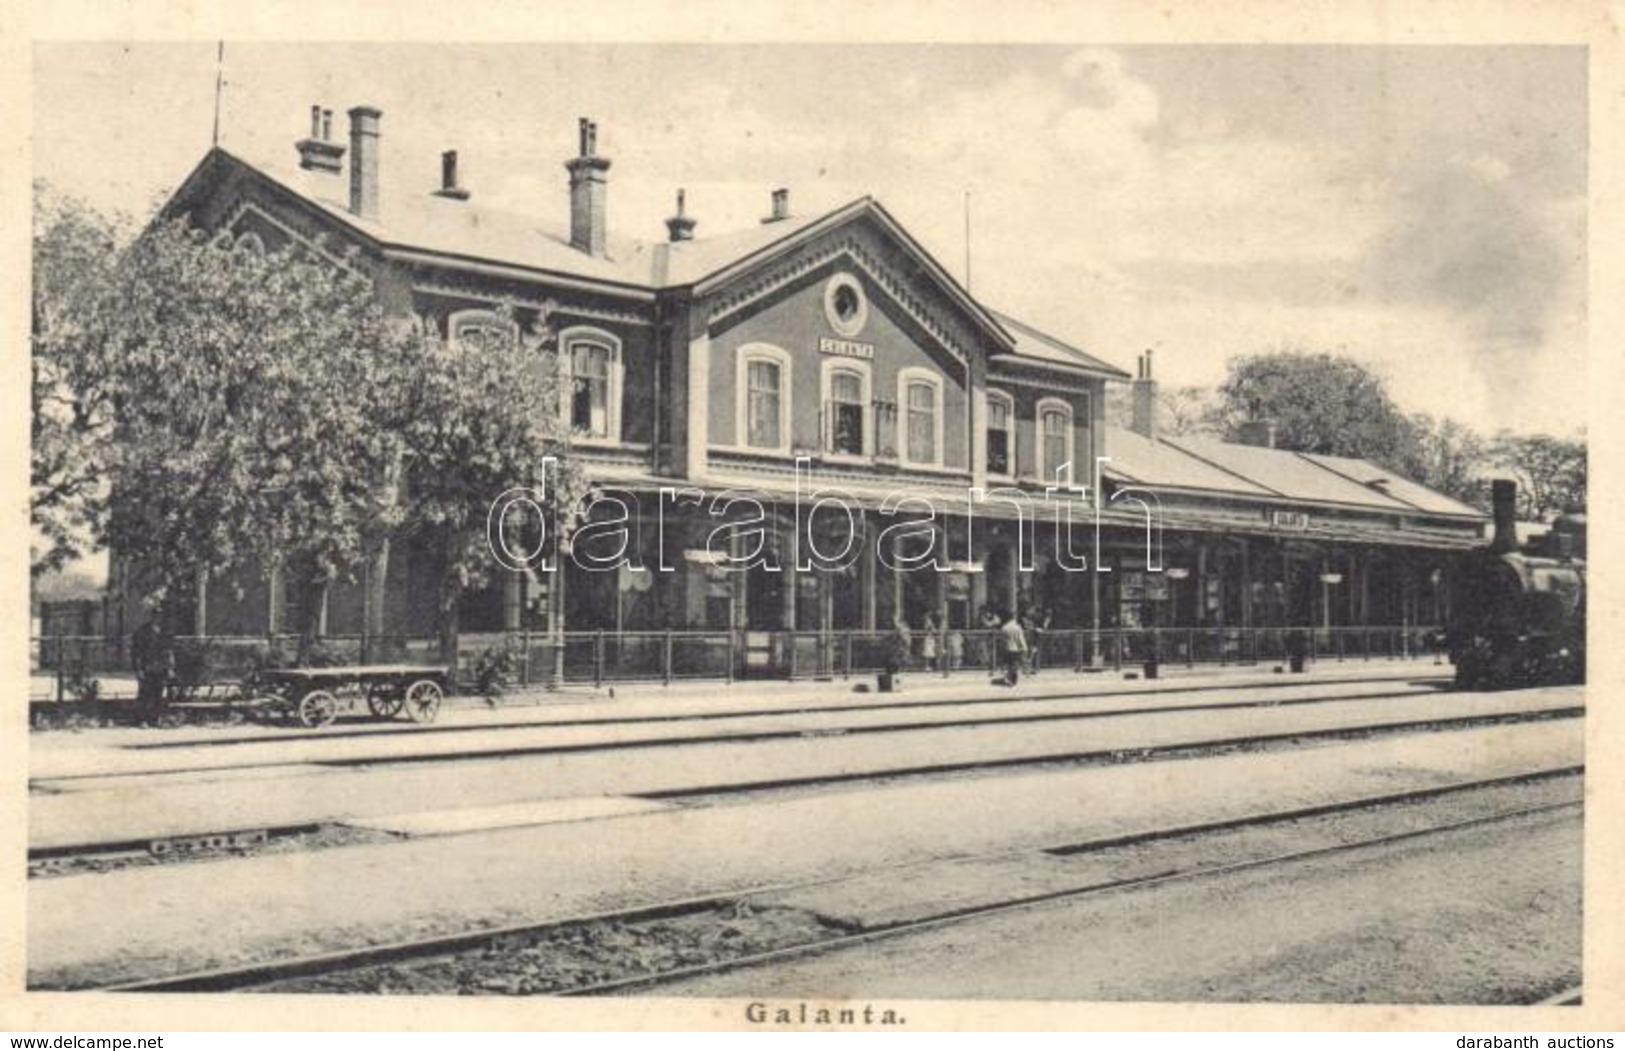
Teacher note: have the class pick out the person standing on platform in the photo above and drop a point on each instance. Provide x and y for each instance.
(1015, 648)
(928, 641)
(154, 662)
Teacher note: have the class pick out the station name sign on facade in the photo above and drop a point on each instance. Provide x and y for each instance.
(1289, 519)
(846, 348)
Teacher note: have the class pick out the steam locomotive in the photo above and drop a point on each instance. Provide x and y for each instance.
(1519, 612)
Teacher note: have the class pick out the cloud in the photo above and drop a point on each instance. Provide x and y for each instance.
(1470, 239)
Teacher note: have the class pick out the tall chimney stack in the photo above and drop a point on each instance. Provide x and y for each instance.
(1504, 502)
(320, 153)
(1257, 432)
(589, 186)
(448, 178)
(680, 227)
(364, 161)
(1144, 420)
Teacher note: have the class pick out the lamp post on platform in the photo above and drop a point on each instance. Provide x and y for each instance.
(1326, 582)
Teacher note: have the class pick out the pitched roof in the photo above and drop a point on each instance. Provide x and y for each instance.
(1402, 489)
(1251, 472)
(476, 232)
(1138, 459)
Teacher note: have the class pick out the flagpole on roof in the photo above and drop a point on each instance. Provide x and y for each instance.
(967, 240)
(219, 85)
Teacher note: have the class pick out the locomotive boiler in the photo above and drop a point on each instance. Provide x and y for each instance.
(1518, 611)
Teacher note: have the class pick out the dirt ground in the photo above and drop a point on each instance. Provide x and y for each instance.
(1484, 916)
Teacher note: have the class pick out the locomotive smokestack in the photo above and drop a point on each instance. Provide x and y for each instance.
(1504, 500)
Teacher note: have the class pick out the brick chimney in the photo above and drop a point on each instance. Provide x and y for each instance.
(1144, 419)
(320, 153)
(1504, 505)
(364, 161)
(680, 227)
(448, 178)
(589, 185)
(1257, 432)
(781, 206)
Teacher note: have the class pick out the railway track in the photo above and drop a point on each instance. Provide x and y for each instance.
(1197, 852)
(789, 733)
(198, 844)
(1418, 686)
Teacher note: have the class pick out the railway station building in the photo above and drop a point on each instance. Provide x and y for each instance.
(824, 354)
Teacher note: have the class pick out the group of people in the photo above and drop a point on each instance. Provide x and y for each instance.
(1016, 636)
(1020, 639)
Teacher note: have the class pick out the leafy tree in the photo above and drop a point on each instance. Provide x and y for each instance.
(1181, 410)
(1550, 472)
(204, 407)
(1187, 410)
(251, 396)
(1320, 403)
(1450, 458)
(484, 414)
(74, 252)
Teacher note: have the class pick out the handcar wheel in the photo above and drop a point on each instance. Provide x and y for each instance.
(317, 708)
(383, 704)
(423, 700)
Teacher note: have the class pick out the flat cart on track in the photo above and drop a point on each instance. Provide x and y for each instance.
(315, 696)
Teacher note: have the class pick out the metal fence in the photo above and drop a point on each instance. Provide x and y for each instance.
(69, 667)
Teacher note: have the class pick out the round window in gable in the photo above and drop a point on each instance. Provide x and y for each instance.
(845, 305)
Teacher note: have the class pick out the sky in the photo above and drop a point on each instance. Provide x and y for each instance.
(1422, 209)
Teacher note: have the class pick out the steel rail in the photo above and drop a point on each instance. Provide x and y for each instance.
(1123, 754)
(241, 977)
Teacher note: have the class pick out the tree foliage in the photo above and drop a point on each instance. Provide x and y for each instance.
(74, 253)
(484, 415)
(254, 393)
(1190, 409)
(1319, 403)
(1550, 472)
(207, 407)
(1448, 457)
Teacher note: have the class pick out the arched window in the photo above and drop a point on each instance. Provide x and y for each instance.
(483, 326)
(1001, 415)
(846, 407)
(1055, 441)
(764, 398)
(919, 399)
(591, 358)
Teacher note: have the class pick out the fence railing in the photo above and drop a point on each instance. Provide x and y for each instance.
(67, 667)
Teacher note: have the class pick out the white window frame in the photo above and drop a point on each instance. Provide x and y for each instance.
(1045, 407)
(826, 390)
(568, 339)
(905, 379)
(477, 318)
(775, 355)
(1009, 402)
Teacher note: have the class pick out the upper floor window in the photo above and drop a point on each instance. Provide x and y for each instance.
(764, 398)
(1000, 414)
(589, 390)
(484, 327)
(920, 401)
(846, 407)
(592, 383)
(1055, 437)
